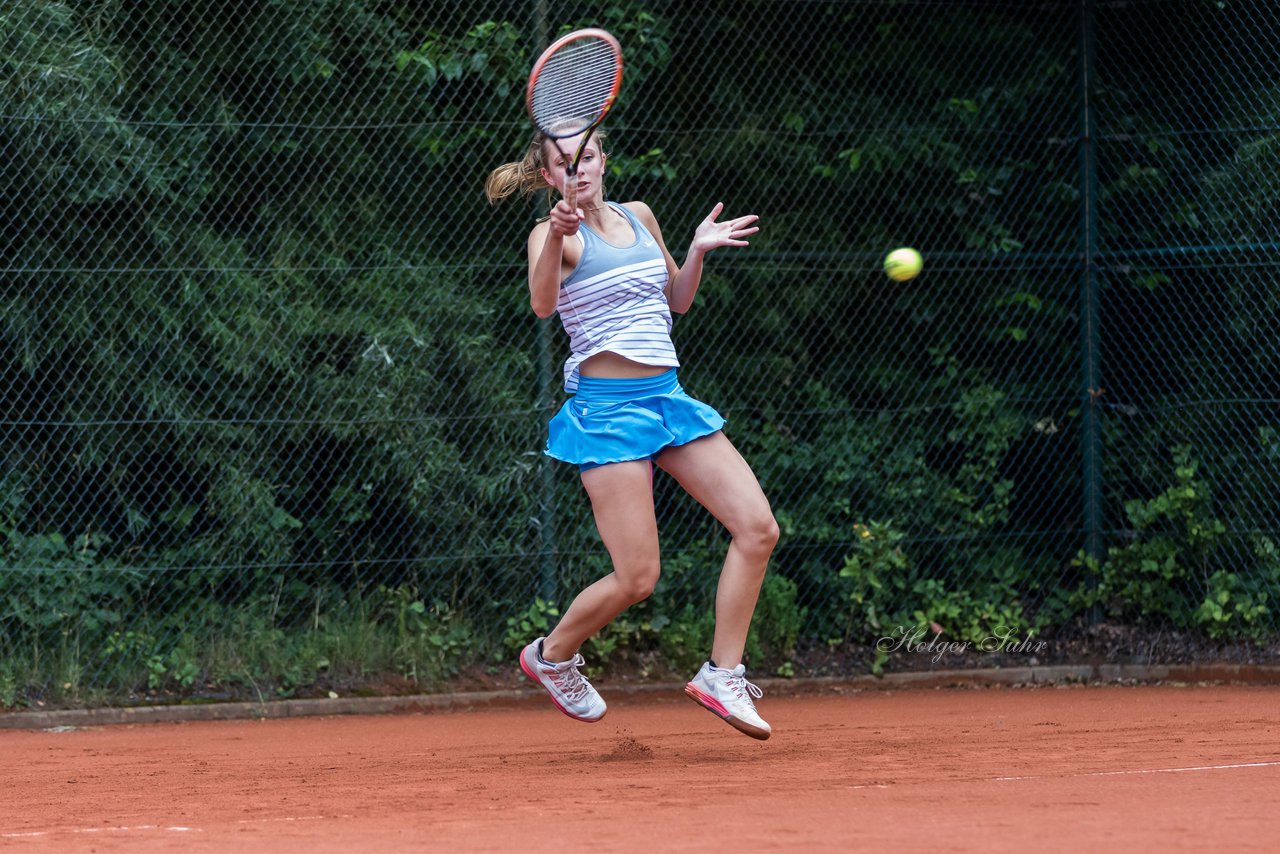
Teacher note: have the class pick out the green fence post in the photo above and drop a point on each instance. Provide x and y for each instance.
(546, 396)
(1091, 443)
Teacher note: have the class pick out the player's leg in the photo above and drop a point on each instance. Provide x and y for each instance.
(712, 471)
(622, 501)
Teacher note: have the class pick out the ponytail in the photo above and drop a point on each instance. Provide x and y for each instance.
(524, 176)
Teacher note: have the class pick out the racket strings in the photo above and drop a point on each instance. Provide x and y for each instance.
(574, 87)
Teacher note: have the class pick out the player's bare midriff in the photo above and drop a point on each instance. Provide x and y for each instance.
(610, 365)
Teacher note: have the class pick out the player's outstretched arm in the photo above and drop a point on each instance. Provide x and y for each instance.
(710, 234)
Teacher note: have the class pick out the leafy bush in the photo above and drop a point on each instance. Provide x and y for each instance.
(1183, 564)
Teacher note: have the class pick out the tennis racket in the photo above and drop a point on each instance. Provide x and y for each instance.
(571, 89)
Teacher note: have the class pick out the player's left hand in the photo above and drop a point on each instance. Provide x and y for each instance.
(711, 234)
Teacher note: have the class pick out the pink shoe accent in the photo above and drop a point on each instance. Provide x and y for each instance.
(711, 703)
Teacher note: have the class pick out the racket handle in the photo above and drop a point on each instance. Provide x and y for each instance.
(571, 189)
(570, 198)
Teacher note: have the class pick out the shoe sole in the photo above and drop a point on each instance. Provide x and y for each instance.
(527, 672)
(712, 705)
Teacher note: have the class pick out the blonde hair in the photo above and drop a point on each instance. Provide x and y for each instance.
(524, 176)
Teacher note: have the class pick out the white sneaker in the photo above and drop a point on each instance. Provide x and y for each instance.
(569, 689)
(727, 694)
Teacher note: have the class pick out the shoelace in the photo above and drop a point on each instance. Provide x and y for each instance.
(744, 690)
(571, 683)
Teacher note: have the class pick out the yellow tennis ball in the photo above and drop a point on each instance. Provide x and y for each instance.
(902, 264)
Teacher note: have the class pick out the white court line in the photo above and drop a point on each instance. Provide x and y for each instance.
(38, 833)
(1102, 773)
(1145, 771)
(34, 833)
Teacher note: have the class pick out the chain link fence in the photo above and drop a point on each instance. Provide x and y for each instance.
(274, 400)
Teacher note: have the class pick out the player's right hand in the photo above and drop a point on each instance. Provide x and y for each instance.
(565, 220)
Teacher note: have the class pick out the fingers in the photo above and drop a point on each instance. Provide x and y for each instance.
(711, 234)
(564, 219)
(735, 236)
(736, 223)
(738, 228)
(565, 212)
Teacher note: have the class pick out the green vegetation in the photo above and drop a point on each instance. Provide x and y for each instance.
(271, 392)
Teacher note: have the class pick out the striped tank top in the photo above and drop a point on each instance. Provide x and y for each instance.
(614, 301)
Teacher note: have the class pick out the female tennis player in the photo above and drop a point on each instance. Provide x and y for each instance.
(605, 269)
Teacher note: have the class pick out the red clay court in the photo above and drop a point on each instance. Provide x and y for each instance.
(981, 769)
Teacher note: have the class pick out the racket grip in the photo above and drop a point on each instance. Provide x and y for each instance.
(571, 190)
(571, 198)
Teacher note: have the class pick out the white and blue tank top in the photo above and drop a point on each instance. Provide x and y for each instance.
(614, 301)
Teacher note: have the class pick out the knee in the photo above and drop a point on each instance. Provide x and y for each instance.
(758, 535)
(638, 581)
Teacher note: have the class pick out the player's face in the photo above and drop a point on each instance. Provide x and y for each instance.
(590, 167)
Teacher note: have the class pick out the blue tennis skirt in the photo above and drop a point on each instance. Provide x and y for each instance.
(616, 420)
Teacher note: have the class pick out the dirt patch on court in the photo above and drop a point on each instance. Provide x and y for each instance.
(628, 748)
